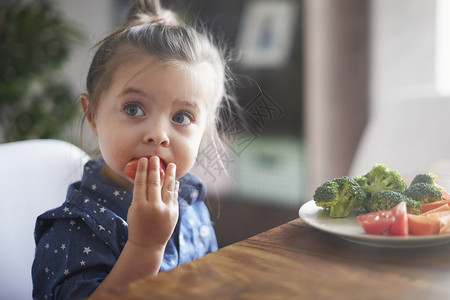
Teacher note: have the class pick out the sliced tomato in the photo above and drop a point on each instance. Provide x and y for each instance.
(400, 225)
(376, 222)
(131, 168)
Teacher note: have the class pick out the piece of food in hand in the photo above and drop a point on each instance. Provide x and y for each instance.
(423, 192)
(386, 200)
(381, 178)
(340, 196)
(131, 168)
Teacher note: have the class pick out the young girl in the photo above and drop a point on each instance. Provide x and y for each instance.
(154, 90)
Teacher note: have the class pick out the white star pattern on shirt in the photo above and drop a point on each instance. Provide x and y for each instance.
(181, 238)
(204, 231)
(88, 221)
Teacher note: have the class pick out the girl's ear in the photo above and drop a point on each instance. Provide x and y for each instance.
(85, 103)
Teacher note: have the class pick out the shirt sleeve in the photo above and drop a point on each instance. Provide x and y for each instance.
(70, 261)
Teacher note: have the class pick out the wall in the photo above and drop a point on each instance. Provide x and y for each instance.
(95, 19)
(409, 75)
(393, 42)
(336, 85)
(359, 55)
(402, 50)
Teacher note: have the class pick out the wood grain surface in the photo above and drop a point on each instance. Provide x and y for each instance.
(296, 261)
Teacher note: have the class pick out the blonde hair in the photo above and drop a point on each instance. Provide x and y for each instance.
(158, 32)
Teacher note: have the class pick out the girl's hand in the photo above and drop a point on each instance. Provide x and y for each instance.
(153, 213)
(152, 217)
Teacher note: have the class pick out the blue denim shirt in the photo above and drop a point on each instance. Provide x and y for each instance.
(78, 243)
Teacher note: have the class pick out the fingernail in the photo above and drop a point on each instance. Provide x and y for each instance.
(173, 169)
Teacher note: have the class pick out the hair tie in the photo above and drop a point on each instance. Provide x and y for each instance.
(158, 20)
(145, 18)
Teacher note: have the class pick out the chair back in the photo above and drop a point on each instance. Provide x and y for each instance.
(34, 176)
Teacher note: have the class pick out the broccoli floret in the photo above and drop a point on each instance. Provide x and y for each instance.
(340, 196)
(428, 178)
(327, 194)
(361, 180)
(423, 192)
(381, 178)
(385, 200)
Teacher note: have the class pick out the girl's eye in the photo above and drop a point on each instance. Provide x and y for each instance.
(183, 118)
(133, 110)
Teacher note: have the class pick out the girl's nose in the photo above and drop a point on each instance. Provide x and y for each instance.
(157, 135)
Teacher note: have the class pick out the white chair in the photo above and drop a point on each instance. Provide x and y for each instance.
(34, 176)
(408, 135)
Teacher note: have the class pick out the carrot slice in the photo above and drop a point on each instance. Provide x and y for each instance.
(422, 225)
(442, 216)
(445, 229)
(433, 205)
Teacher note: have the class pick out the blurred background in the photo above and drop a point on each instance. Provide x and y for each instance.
(312, 75)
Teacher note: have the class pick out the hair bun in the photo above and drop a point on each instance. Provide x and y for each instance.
(149, 11)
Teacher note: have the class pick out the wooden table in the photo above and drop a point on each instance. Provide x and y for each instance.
(296, 261)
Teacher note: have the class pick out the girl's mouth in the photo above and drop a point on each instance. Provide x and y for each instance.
(131, 167)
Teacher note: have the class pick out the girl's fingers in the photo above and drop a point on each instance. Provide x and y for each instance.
(140, 181)
(153, 180)
(147, 183)
(177, 187)
(169, 187)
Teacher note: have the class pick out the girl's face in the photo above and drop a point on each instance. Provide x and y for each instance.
(151, 108)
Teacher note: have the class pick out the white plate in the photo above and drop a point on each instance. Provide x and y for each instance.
(350, 229)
